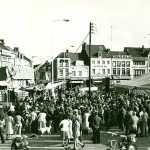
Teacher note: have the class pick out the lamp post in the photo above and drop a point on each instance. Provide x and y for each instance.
(63, 20)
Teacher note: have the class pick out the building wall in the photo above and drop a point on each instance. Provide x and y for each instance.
(21, 68)
(100, 67)
(122, 66)
(63, 68)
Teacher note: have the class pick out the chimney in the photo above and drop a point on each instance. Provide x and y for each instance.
(142, 48)
(66, 54)
(126, 50)
(108, 50)
(16, 49)
(84, 46)
(2, 41)
(67, 51)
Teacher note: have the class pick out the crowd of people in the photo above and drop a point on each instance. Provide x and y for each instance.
(71, 113)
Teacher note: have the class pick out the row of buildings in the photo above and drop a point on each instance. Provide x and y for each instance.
(16, 70)
(117, 65)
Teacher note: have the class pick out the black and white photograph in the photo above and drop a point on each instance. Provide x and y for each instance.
(74, 74)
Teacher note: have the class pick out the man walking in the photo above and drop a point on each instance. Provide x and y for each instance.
(96, 128)
(64, 125)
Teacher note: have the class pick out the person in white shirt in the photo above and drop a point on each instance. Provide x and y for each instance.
(33, 124)
(42, 119)
(64, 126)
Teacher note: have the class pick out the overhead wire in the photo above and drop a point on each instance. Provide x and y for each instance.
(80, 46)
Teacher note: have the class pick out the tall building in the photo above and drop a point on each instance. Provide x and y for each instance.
(140, 60)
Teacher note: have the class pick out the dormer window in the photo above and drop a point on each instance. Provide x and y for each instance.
(99, 54)
(79, 63)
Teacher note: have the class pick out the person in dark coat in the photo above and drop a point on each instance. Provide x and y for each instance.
(56, 119)
(96, 128)
(2, 124)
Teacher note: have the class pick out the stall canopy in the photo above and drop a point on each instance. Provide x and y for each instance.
(52, 86)
(142, 81)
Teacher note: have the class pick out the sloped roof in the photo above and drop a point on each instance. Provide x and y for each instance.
(73, 56)
(139, 58)
(106, 53)
(137, 51)
(37, 67)
(2, 46)
(95, 49)
(112, 53)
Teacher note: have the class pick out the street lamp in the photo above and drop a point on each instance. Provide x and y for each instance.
(65, 20)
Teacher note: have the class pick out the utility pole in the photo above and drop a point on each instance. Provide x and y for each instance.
(90, 33)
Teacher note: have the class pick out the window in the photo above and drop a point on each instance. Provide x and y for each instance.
(103, 62)
(61, 63)
(114, 63)
(108, 62)
(123, 63)
(108, 71)
(103, 71)
(93, 62)
(80, 73)
(118, 71)
(123, 71)
(99, 54)
(118, 63)
(139, 63)
(128, 71)
(60, 72)
(66, 63)
(98, 62)
(128, 63)
(114, 71)
(73, 73)
(93, 71)
(98, 72)
(66, 72)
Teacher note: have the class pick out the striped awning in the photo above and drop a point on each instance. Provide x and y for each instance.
(138, 82)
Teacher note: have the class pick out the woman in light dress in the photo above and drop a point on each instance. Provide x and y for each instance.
(42, 119)
(76, 121)
(86, 127)
(70, 133)
(9, 125)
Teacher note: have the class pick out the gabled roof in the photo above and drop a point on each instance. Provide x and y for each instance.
(139, 58)
(106, 53)
(3, 46)
(72, 56)
(110, 54)
(36, 68)
(95, 49)
(137, 51)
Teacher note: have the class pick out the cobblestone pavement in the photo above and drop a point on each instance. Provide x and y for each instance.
(53, 142)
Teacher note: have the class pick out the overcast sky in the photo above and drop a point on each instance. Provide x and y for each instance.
(30, 25)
